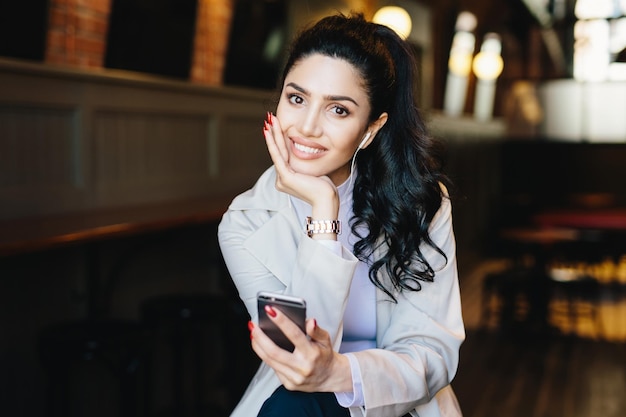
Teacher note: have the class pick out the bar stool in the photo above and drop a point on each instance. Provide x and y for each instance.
(93, 368)
(194, 358)
(514, 296)
(580, 297)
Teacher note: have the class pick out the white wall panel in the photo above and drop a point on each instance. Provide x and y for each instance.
(74, 141)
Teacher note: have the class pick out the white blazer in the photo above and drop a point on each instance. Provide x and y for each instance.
(418, 338)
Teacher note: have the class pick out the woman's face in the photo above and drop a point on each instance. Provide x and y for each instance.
(323, 111)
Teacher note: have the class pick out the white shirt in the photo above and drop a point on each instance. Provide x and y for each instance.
(359, 320)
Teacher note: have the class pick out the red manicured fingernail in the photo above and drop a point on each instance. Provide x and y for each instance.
(270, 311)
(269, 118)
(250, 325)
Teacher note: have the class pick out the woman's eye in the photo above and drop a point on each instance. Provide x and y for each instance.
(340, 111)
(295, 99)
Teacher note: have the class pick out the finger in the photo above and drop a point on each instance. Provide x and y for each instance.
(316, 333)
(264, 346)
(311, 327)
(270, 141)
(287, 326)
(281, 361)
(281, 143)
(283, 170)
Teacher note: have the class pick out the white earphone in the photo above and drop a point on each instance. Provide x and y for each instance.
(365, 138)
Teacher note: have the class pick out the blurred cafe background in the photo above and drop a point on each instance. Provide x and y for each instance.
(127, 126)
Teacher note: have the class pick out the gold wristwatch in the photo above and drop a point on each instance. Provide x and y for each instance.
(321, 226)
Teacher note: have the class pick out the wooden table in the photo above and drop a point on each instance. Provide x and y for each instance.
(31, 234)
(90, 228)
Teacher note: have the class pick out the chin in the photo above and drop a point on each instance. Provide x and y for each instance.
(300, 169)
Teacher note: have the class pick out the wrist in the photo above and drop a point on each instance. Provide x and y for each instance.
(325, 206)
(340, 375)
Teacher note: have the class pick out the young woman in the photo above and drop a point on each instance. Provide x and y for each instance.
(354, 217)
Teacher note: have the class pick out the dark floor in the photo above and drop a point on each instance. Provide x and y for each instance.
(551, 376)
(571, 370)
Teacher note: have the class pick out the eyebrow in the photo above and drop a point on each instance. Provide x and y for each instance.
(330, 98)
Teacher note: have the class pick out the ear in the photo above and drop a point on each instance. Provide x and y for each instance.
(373, 129)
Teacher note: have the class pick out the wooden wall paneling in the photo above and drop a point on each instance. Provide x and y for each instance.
(73, 141)
(40, 166)
(242, 151)
(145, 156)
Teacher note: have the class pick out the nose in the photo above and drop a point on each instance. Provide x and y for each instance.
(310, 123)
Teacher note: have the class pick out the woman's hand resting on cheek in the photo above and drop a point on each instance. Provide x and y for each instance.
(319, 192)
(313, 366)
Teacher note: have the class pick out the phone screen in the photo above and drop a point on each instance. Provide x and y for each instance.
(292, 307)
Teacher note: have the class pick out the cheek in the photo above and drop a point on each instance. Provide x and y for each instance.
(348, 140)
(285, 117)
(282, 110)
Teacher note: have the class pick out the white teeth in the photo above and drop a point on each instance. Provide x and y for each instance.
(306, 149)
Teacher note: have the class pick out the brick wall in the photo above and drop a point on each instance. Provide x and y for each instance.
(213, 22)
(77, 32)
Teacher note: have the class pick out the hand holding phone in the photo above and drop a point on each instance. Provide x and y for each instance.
(292, 307)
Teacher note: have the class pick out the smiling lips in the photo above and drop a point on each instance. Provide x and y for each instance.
(307, 149)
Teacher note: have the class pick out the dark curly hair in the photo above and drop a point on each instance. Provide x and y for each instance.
(398, 187)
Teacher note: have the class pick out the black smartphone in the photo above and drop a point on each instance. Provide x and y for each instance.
(292, 307)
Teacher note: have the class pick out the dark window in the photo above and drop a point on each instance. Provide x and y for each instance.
(256, 44)
(23, 27)
(153, 36)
